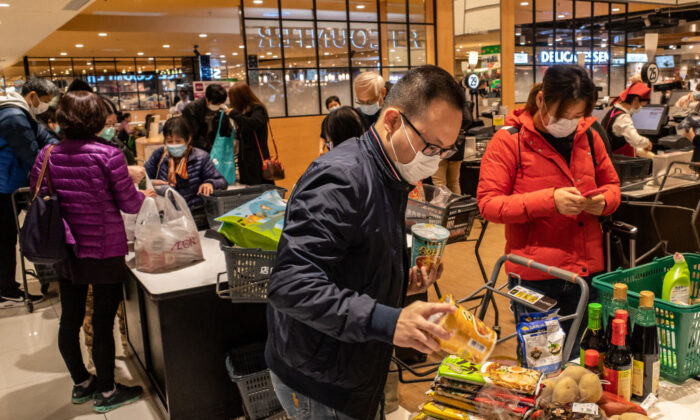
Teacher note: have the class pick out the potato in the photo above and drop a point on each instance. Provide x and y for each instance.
(565, 391)
(615, 417)
(589, 388)
(548, 385)
(633, 416)
(575, 372)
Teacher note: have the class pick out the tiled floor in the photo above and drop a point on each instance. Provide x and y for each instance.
(34, 382)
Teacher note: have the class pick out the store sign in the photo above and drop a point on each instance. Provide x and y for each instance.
(269, 38)
(491, 49)
(134, 77)
(473, 81)
(568, 57)
(521, 58)
(637, 58)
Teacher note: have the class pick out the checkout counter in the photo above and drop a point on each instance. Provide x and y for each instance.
(180, 330)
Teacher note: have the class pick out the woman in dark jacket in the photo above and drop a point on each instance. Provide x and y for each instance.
(251, 119)
(92, 184)
(187, 169)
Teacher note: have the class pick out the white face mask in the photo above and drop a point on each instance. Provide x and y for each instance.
(39, 109)
(420, 167)
(562, 127)
(369, 109)
(214, 108)
(634, 110)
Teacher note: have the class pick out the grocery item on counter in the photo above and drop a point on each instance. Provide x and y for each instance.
(592, 362)
(613, 405)
(625, 316)
(540, 341)
(645, 349)
(513, 378)
(257, 223)
(574, 384)
(443, 412)
(618, 363)
(429, 242)
(629, 416)
(569, 411)
(417, 193)
(619, 301)
(594, 337)
(472, 339)
(676, 287)
(169, 243)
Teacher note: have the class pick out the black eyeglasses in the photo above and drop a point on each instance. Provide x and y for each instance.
(431, 149)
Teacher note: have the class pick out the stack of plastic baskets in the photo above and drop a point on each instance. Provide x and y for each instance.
(678, 325)
(221, 202)
(247, 369)
(457, 215)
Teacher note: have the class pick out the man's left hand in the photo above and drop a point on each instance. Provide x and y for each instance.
(419, 280)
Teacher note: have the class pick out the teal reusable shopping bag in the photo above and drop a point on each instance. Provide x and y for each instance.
(222, 153)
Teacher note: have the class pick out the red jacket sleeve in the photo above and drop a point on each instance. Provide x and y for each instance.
(606, 176)
(497, 202)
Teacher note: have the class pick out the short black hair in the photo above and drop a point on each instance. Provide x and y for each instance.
(216, 94)
(39, 85)
(81, 115)
(342, 124)
(177, 126)
(414, 92)
(79, 85)
(332, 98)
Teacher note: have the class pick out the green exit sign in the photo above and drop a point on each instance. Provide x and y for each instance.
(491, 49)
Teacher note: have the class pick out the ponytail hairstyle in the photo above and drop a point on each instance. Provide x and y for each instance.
(564, 84)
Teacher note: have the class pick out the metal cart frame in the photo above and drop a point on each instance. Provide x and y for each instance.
(486, 294)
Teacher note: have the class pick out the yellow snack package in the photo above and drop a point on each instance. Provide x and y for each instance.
(472, 341)
(442, 412)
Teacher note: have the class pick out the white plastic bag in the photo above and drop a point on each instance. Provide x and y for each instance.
(130, 219)
(170, 243)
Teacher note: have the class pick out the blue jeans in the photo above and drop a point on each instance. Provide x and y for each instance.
(300, 407)
(567, 295)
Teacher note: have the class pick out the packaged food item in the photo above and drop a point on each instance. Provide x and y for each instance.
(455, 390)
(615, 405)
(257, 223)
(540, 342)
(429, 242)
(472, 339)
(443, 412)
(514, 378)
(570, 411)
(418, 193)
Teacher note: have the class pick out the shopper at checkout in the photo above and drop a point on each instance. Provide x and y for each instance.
(92, 185)
(618, 124)
(203, 116)
(534, 179)
(188, 169)
(337, 291)
(342, 124)
(21, 138)
(325, 145)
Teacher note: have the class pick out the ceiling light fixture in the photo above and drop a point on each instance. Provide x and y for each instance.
(79, 45)
(222, 56)
(64, 53)
(360, 6)
(257, 1)
(4, 4)
(166, 45)
(208, 53)
(524, 3)
(268, 53)
(139, 53)
(561, 16)
(202, 35)
(274, 56)
(234, 53)
(616, 9)
(52, 59)
(241, 46)
(102, 34)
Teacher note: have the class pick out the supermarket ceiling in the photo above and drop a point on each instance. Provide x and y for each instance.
(108, 28)
(25, 23)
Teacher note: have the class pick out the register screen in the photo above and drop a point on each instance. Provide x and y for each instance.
(648, 118)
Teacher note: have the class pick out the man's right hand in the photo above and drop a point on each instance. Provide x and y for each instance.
(415, 331)
(569, 201)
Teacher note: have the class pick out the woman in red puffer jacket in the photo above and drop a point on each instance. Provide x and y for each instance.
(534, 179)
(92, 183)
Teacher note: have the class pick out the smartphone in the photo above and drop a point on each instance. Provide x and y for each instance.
(593, 193)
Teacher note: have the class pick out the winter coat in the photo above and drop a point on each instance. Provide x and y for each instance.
(519, 173)
(21, 137)
(200, 170)
(204, 133)
(248, 125)
(341, 276)
(92, 184)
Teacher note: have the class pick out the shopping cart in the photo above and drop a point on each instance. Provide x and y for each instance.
(21, 198)
(484, 296)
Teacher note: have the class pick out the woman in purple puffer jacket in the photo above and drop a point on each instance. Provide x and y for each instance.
(92, 183)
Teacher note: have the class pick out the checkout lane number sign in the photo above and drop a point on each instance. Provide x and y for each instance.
(650, 72)
(473, 81)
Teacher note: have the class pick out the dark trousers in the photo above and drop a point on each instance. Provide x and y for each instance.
(567, 295)
(8, 245)
(106, 302)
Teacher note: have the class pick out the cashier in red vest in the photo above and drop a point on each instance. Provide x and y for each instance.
(533, 179)
(624, 138)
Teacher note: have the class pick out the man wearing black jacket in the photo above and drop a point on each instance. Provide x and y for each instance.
(337, 291)
(203, 116)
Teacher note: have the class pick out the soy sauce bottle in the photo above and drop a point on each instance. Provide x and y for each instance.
(594, 338)
(645, 349)
(618, 363)
(619, 301)
(592, 360)
(625, 316)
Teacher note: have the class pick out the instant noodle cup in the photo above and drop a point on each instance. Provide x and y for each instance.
(472, 340)
(428, 244)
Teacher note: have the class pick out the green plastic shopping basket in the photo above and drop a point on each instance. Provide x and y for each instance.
(678, 325)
